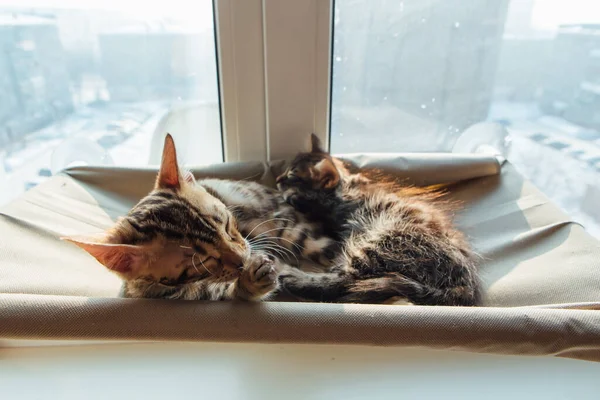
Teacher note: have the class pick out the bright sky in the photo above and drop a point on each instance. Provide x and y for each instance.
(547, 14)
(180, 9)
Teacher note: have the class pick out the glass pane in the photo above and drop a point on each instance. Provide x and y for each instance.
(100, 82)
(414, 75)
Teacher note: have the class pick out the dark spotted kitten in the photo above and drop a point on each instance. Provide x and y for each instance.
(205, 240)
(399, 246)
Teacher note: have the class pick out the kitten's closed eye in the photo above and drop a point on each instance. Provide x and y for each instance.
(289, 179)
(230, 230)
(294, 180)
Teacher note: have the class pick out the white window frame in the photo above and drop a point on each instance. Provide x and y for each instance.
(239, 36)
(274, 60)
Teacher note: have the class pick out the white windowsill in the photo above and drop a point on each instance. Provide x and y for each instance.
(247, 371)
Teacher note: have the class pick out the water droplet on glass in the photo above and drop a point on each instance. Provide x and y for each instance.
(385, 97)
(344, 88)
(457, 24)
(433, 99)
(423, 20)
(358, 119)
(423, 106)
(456, 130)
(396, 34)
(450, 128)
(341, 134)
(338, 59)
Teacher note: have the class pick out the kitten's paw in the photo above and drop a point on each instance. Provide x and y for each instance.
(262, 271)
(292, 197)
(259, 277)
(289, 197)
(298, 202)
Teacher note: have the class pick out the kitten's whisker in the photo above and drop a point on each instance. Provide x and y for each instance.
(194, 264)
(296, 245)
(204, 266)
(261, 245)
(264, 222)
(272, 249)
(267, 247)
(265, 240)
(269, 242)
(278, 246)
(265, 236)
(201, 263)
(265, 232)
(274, 241)
(260, 240)
(278, 229)
(251, 176)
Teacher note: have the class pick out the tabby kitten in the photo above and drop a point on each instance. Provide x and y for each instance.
(398, 244)
(207, 240)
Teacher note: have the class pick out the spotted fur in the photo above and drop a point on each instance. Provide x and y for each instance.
(205, 240)
(398, 244)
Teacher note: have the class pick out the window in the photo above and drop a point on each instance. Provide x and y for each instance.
(100, 82)
(414, 75)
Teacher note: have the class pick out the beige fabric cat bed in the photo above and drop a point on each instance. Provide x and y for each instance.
(541, 271)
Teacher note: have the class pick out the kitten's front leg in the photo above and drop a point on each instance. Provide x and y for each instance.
(258, 279)
(322, 287)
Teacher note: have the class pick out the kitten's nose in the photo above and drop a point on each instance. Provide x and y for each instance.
(232, 259)
(236, 256)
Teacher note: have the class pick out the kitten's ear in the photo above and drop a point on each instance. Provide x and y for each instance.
(327, 174)
(168, 175)
(124, 260)
(316, 146)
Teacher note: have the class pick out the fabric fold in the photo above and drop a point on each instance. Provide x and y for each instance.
(526, 331)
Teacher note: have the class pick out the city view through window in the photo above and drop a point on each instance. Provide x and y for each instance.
(416, 75)
(99, 82)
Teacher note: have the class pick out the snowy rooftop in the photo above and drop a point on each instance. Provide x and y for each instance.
(580, 29)
(157, 28)
(14, 19)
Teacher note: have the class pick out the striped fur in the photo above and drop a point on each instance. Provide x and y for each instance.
(398, 244)
(206, 240)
